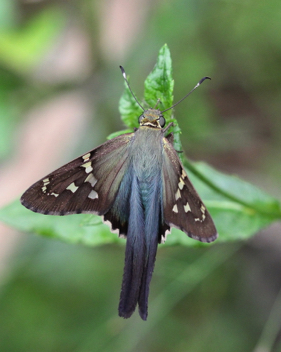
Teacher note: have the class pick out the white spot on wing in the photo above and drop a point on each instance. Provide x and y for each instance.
(86, 157)
(181, 184)
(54, 194)
(89, 163)
(91, 179)
(72, 187)
(93, 195)
(88, 167)
(178, 194)
(175, 209)
(183, 174)
(46, 181)
(187, 207)
(203, 211)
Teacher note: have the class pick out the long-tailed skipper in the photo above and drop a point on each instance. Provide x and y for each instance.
(138, 184)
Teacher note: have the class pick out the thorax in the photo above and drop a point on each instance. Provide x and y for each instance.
(146, 152)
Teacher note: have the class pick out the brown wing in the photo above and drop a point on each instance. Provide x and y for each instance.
(183, 207)
(87, 184)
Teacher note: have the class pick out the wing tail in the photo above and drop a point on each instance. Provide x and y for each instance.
(146, 278)
(134, 255)
(145, 229)
(153, 236)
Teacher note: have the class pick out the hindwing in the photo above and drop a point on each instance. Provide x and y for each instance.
(183, 208)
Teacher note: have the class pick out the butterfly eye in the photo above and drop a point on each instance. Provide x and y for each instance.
(140, 118)
(162, 121)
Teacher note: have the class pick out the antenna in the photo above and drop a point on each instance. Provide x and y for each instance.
(125, 78)
(197, 85)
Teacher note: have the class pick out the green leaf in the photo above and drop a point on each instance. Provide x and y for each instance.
(80, 228)
(235, 190)
(129, 109)
(159, 84)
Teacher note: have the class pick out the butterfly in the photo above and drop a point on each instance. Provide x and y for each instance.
(138, 184)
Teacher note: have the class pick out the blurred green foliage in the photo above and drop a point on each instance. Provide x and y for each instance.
(59, 297)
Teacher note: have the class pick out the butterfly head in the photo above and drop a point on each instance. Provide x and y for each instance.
(152, 118)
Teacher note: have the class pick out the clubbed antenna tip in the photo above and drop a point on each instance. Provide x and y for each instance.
(125, 78)
(196, 86)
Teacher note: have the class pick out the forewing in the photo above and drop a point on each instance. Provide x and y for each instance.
(88, 184)
(183, 207)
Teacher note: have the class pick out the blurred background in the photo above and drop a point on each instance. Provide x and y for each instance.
(59, 90)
